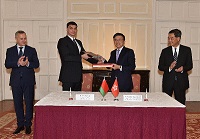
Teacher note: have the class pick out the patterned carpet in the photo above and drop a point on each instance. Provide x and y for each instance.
(8, 125)
(193, 126)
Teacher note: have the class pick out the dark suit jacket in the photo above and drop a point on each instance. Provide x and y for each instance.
(18, 72)
(71, 68)
(184, 59)
(127, 61)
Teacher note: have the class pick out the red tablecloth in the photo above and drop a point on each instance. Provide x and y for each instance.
(74, 122)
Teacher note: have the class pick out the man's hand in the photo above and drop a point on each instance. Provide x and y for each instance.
(21, 61)
(100, 59)
(85, 56)
(180, 69)
(115, 66)
(173, 64)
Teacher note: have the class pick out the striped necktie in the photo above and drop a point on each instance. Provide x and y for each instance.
(175, 55)
(117, 54)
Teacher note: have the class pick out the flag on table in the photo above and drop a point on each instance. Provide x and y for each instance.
(104, 88)
(115, 88)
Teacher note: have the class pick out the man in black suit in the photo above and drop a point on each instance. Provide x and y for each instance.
(175, 61)
(123, 60)
(23, 60)
(71, 53)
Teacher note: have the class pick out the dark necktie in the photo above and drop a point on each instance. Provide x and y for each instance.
(117, 55)
(20, 51)
(175, 55)
(175, 59)
(76, 44)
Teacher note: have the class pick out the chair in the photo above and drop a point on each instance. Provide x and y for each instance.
(87, 82)
(136, 82)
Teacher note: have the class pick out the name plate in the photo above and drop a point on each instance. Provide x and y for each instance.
(84, 96)
(132, 98)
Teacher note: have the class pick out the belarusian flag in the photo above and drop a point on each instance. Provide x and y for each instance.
(115, 88)
(104, 88)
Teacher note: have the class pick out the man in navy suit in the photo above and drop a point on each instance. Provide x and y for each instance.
(123, 60)
(22, 59)
(175, 61)
(71, 53)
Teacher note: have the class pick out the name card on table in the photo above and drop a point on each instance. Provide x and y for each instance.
(84, 96)
(132, 98)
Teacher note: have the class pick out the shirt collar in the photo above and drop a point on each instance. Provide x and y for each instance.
(177, 48)
(120, 48)
(71, 37)
(20, 46)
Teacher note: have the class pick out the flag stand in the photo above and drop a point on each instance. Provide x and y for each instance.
(103, 99)
(116, 99)
(146, 97)
(70, 94)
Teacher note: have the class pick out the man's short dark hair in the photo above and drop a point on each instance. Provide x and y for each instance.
(119, 34)
(176, 32)
(19, 32)
(71, 23)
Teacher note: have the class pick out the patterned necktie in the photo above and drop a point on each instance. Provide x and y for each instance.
(175, 55)
(117, 55)
(20, 51)
(175, 59)
(74, 42)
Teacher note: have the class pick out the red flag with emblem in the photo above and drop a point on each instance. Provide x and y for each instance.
(115, 88)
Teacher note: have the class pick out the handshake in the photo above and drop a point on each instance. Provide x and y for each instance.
(95, 56)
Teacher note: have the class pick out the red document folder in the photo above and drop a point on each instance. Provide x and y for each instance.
(102, 65)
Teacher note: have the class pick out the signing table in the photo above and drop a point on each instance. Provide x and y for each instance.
(57, 117)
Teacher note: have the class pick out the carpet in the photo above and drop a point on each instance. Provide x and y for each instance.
(193, 126)
(8, 125)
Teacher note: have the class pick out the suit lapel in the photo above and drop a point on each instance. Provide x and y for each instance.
(16, 51)
(180, 52)
(26, 51)
(72, 45)
(171, 53)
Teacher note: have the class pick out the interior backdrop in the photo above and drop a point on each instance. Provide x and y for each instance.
(145, 23)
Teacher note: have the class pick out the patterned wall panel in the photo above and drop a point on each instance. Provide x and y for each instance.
(194, 9)
(134, 8)
(85, 7)
(109, 7)
(32, 8)
(178, 10)
(112, 9)
(46, 35)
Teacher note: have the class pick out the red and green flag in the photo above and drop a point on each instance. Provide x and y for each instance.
(104, 88)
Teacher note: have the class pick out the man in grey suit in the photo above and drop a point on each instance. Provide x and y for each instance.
(175, 61)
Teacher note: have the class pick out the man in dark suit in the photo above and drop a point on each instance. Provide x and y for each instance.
(23, 60)
(123, 60)
(71, 53)
(175, 61)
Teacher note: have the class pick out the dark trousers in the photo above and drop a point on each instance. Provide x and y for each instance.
(26, 92)
(178, 93)
(75, 86)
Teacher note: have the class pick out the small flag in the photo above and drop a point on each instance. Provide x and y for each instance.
(115, 88)
(104, 88)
